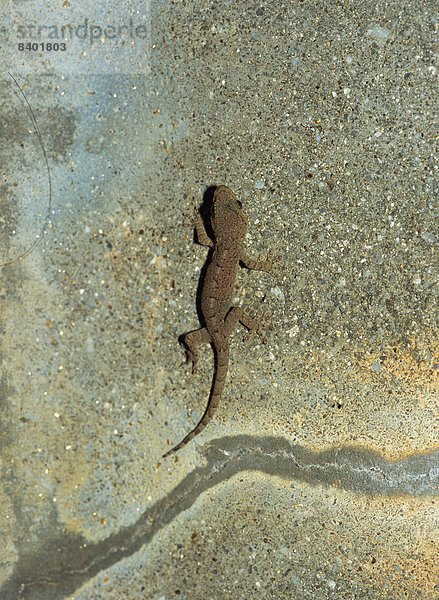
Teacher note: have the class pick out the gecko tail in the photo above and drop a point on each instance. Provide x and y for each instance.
(222, 361)
(190, 436)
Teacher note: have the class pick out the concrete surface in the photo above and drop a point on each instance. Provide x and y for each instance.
(318, 477)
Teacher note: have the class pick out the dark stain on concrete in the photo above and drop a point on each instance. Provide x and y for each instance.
(64, 560)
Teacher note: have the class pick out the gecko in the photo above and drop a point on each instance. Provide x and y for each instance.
(229, 226)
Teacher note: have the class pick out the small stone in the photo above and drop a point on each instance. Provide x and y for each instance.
(429, 237)
(382, 33)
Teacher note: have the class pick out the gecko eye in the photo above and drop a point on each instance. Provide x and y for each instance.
(239, 203)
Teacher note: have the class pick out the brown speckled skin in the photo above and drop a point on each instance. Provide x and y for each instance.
(229, 226)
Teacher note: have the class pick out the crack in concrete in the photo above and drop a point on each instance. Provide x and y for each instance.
(64, 562)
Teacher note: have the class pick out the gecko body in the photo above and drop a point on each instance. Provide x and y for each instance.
(229, 226)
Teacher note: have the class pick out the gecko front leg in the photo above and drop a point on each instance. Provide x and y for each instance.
(202, 235)
(268, 265)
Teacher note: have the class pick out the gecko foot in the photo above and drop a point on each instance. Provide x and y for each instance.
(273, 262)
(254, 324)
(194, 368)
(191, 357)
(194, 360)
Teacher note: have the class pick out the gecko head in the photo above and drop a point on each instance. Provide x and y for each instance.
(229, 220)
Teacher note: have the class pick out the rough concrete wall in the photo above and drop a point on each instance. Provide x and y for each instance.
(318, 477)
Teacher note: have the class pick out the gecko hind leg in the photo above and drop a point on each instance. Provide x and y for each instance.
(192, 341)
(236, 313)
